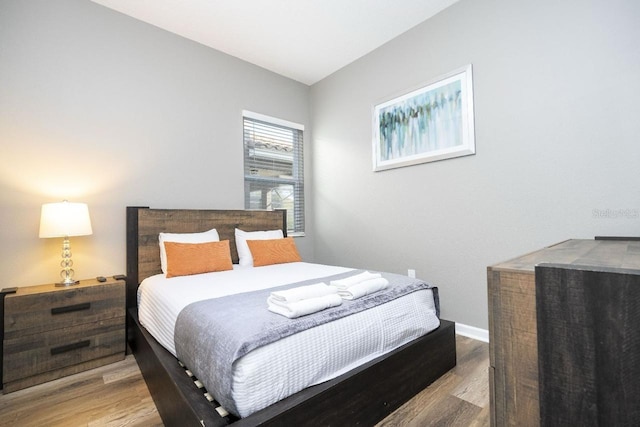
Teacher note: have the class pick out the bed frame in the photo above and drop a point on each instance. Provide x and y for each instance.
(362, 396)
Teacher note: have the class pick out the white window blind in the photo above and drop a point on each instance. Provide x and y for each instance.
(273, 167)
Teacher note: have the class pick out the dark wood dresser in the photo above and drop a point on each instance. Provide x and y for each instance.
(514, 327)
(50, 331)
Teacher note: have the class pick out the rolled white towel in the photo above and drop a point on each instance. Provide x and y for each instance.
(354, 280)
(304, 307)
(363, 288)
(303, 292)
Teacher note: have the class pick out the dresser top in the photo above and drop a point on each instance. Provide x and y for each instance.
(51, 287)
(597, 253)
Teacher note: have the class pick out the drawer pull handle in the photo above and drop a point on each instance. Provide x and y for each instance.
(70, 308)
(70, 347)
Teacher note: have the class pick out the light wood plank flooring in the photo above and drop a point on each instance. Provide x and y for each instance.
(458, 398)
(116, 395)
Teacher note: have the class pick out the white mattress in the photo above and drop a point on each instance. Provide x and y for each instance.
(304, 359)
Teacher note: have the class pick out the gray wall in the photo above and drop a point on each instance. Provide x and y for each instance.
(558, 150)
(100, 108)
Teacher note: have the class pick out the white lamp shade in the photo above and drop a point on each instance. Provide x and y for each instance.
(64, 219)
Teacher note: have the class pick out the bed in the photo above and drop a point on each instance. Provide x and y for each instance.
(361, 396)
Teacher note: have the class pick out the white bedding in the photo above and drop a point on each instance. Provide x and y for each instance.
(304, 358)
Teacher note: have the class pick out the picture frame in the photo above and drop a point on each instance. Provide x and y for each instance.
(431, 123)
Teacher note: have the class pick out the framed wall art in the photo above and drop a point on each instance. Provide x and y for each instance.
(434, 122)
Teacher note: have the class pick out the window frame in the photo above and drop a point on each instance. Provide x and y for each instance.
(297, 181)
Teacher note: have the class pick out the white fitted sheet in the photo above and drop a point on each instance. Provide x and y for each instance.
(304, 359)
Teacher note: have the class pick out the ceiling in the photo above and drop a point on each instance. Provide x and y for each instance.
(305, 40)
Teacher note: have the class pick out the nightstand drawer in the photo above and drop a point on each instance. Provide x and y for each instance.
(30, 355)
(45, 311)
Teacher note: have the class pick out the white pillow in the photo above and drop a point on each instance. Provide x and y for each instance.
(204, 237)
(244, 254)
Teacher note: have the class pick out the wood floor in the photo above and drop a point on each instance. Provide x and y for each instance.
(459, 398)
(116, 395)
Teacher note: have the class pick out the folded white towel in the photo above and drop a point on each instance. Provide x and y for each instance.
(305, 306)
(354, 280)
(363, 288)
(303, 292)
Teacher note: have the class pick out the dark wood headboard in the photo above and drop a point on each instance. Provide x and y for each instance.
(144, 225)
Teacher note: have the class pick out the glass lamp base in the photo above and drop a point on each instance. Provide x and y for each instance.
(67, 272)
(67, 283)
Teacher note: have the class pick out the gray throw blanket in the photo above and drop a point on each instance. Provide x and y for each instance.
(211, 335)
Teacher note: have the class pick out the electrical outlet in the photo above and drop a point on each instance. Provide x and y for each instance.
(411, 273)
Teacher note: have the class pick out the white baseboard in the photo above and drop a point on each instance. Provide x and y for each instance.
(472, 332)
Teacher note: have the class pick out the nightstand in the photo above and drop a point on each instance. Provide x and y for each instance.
(50, 332)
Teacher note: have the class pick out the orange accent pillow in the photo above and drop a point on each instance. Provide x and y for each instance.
(184, 259)
(274, 251)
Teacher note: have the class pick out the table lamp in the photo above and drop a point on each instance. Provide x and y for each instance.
(65, 219)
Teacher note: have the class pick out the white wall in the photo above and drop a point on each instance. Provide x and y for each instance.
(557, 131)
(100, 108)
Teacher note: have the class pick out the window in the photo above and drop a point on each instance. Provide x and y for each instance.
(273, 167)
